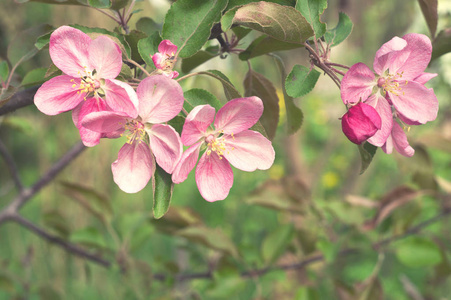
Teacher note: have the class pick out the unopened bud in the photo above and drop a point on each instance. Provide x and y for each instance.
(360, 123)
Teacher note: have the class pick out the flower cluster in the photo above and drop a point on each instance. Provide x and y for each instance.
(393, 97)
(104, 107)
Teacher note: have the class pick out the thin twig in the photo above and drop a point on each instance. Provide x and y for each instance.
(139, 66)
(107, 14)
(336, 65)
(11, 166)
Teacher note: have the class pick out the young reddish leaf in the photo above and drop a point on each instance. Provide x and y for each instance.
(281, 22)
(256, 84)
(235, 3)
(429, 9)
(163, 187)
(188, 23)
(301, 81)
(312, 11)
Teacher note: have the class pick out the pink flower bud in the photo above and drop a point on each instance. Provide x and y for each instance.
(360, 123)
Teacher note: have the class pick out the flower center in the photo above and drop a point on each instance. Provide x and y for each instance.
(215, 144)
(136, 131)
(391, 83)
(88, 83)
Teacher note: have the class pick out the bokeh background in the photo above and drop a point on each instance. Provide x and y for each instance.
(312, 200)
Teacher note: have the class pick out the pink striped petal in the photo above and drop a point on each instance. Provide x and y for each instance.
(160, 99)
(133, 168)
(197, 123)
(239, 114)
(383, 108)
(214, 177)
(166, 145)
(89, 138)
(121, 97)
(158, 60)
(249, 150)
(415, 102)
(398, 140)
(387, 53)
(105, 121)
(186, 164)
(106, 57)
(69, 51)
(167, 48)
(57, 95)
(357, 84)
(424, 77)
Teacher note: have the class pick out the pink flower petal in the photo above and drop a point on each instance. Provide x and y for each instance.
(166, 145)
(415, 102)
(158, 60)
(186, 164)
(69, 51)
(249, 150)
(197, 123)
(106, 57)
(133, 168)
(105, 121)
(89, 138)
(57, 95)
(387, 53)
(239, 114)
(167, 48)
(214, 177)
(160, 99)
(383, 108)
(399, 142)
(360, 123)
(121, 97)
(357, 84)
(424, 77)
(388, 146)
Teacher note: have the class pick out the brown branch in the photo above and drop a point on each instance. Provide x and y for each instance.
(19, 100)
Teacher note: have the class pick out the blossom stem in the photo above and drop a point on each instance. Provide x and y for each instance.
(108, 15)
(336, 65)
(337, 71)
(187, 76)
(139, 66)
(318, 61)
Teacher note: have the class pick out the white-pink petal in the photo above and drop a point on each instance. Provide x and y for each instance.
(424, 77)
(89, 138)
(133, 168)
(383, 108)
(121, 97)
(167, 48)
(398, 140)
(387, 53)
(57, 95)
(214, 177)
(415, 102)
(160, 99)
(106, 57)
(239, 114)
(197, 123)
(68, 50)
(186, 164)
(249, 150)
(357, 84)
(105, 121)
(166, 145)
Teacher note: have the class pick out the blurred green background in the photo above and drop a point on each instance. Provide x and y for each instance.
(312, 200)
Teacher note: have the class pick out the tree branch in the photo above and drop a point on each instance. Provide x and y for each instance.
(19, 100)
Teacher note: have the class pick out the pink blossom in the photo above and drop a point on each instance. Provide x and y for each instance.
(397, 91)
(230, 142)
(165, 59)
(160, 100)
(89, 68)
(360, 123)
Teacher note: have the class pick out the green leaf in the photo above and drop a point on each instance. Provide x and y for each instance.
(294, 113)
(441, 44)
(367, 152)
(177, 123)
(276, 243)
(148, 47)
(341, 32)
(264, 45)
(90, 237)
(99, 3)
(4, 71)
(57, 222)
(188, 23)
(418, 252)
(22, 46)
(312, 11)
(195, 97)
(301, 81)
(118, 4)
(256, 84)
(163, 187)
(177, 218)
(132, 39)
(211, 238)
(43, 40)
(148, 26)
(304, 293)
(66, 2)
(126, 72)
(329, 249)
(235, 3)
(429, 9)
(34, 77)
(199, 58)
(283, 23)
(229, 89)
(47, 292)
(119, 39)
